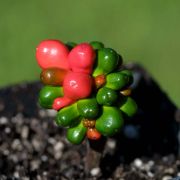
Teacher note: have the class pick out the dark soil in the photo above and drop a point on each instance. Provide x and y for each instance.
(33, 147)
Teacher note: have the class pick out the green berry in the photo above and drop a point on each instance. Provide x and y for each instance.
(97, 45)
(129, 74)
(110, 122)
(106, 96)
(107, 61)
(88, 108)
(68, 116)
(48, 94)
(76, 134)
(117, 80)
(129, 106)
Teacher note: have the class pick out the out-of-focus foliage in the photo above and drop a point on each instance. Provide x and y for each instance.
(144, 31)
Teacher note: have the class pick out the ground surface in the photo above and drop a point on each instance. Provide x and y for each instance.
(33, 147)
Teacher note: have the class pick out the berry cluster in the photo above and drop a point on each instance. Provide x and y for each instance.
(85, 85)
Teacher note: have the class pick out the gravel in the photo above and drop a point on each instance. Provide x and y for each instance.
(33, 147)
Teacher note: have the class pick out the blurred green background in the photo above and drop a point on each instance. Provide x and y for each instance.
(144, 31)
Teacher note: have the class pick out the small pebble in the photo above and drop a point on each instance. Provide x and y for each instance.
(57, 155)
(45, 173)
(39, 177)
(18, 119)
(25, 178)
(150, 174)
(28, 146)
(24, 132)
(35, 164)
(16, 175)
(58, 146)
(111, 144)
(138, 163)
(42, 113)
(95, 171)
(7, 130)
(13, 157)
(51, 112)
(151, 163)
(16, 145)
(167, 178)
(44, 158)
(51, 141)
(169, 159)
(36, 144)
(44, 125)
(169, 171)
(148, 165)
(6, 152)
(3, 120)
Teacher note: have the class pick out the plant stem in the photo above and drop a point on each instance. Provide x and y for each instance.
(94, 154)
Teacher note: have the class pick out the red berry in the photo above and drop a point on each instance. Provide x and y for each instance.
(81, 58)
(93, 134)
(77, 85)
(61, 102)
(52, 53)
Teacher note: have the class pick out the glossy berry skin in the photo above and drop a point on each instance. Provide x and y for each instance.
(48, 94)
(110, 122)
(106, 96)
(86, 87)
(129, 106)
(117, 80)
(68, 116)
(81, 58)
(97, 45)
(61, 102)
(107, 61)
(53, 76)
(77, 85)
(52, 53)
(88, 108)
(76, 134)
(93, 134)
(130, 76)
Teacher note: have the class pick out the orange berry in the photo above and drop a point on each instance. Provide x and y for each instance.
(100, 80)
(93, 134)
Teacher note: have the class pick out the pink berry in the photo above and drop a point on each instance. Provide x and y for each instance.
(77, 85)
(81, 58)
(52, 53)
(61, 102)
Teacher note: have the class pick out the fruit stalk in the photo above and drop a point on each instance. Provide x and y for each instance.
(94, 154)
